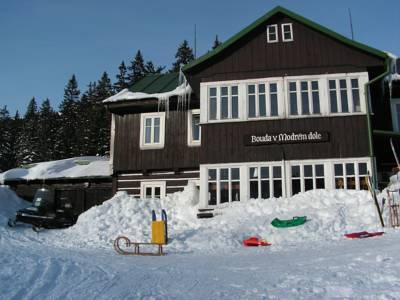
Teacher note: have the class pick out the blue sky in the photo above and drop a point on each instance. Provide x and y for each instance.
(44, 42)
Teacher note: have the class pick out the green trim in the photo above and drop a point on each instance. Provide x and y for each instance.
(387, 133)
(301, 19)
(368, 101)
(369, 125)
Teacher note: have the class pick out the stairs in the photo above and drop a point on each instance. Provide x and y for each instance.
(205, 213)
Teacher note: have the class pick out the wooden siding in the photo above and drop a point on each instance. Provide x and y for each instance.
(174, 182)
(175, 155)
(223, 142)
(311, 52)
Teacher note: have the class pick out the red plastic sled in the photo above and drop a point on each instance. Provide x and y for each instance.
(255, 242)
(363, 234)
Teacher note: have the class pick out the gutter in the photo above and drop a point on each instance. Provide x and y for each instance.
(387, 133)
(368, 108)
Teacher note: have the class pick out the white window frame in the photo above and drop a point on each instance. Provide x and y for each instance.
(219, 102)
(152, 185)
(302, 177)
(270, 178)
(329, 174)
(267, 94)
(190, 140)
(269, 40)
(395, 119)
(349, 93)
(299, 99)
(143, 117)
(283, 32)
(283, 96)
(345, 175)
(218, 183)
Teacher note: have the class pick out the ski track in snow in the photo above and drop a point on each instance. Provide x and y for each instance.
(205, 260)
(346, 269)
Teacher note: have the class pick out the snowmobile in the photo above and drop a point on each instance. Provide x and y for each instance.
(44, 213)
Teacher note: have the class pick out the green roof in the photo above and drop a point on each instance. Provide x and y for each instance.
(156, 83)
(301, 19)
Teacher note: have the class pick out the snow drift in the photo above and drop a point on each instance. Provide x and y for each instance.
(9, 203)
(330, 214)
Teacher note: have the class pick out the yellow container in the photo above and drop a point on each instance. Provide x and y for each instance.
(158, 232)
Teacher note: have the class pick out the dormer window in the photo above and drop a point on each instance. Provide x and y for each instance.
(272, 33)
(287, 32)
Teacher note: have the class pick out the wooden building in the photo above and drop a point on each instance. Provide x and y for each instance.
(282, 107)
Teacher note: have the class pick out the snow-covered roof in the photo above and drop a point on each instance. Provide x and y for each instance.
(76, 167)
(126, 94)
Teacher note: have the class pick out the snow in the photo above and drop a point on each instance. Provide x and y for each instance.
(9, 203)
(125, 94)
(205, 257)
(330, 214)
(85, 166)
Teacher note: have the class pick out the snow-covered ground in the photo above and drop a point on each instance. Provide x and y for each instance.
(205, 257)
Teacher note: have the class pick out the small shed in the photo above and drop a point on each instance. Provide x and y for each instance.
(83, 181)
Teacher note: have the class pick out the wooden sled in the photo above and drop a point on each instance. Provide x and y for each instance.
(123, 240)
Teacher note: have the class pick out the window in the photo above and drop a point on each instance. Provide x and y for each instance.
(152, 130)
(287, 32)
(262, 100)
(396, 114)
(272, 33)
(355, 92)
(344, 95)
(307, 177)
(223, 103)
(351, 176)
(194, 132)
(212, 187)
(152, 190)
(223, 185)
(304, 97)
(265, 182)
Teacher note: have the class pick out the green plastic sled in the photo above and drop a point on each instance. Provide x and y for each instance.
(296, 221)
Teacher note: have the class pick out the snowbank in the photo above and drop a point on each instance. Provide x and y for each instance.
(330, 214)
(86, 166)
(9, 203)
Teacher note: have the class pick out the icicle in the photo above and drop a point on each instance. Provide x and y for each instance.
(163, 104)
(185, 94)
(393, 72)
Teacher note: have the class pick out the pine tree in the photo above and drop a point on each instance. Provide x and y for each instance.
(16, 132)
(149, 68)
(29, 141)
(137, 69)
(7, 156)
(102, 116)
(122, 78)
(71, 91)
(183, 56)
(47, 130)
(216, 42)
(67, 141)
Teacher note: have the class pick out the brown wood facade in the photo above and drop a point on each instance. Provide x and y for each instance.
(224, 142)
(174, 182)
(311, 52)
(176, 154)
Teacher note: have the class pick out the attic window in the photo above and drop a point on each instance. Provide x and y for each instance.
(272, 33)
(287, 32)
